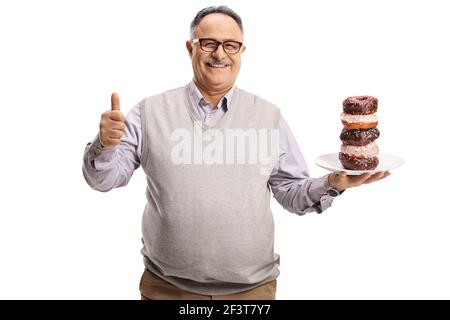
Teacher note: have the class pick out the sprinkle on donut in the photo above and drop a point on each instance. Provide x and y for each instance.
(358, 149)
(360, 105)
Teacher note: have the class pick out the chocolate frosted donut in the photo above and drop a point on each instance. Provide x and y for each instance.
(359, 137)
(360, 105)
(356, 163)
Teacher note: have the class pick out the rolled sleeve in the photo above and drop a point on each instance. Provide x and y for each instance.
(99, 157)
(291, 183)
(318, 193)
(108, 168)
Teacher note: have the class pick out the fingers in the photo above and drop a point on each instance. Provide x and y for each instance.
(374, 177)
(116, 116)
(110, 142)
(115, 134)
(111, 124)
(343, 181)
(356, 180)
(115, 101)
(378, 176)
(109, 137)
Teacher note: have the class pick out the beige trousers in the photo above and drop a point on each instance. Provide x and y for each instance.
(155, 288)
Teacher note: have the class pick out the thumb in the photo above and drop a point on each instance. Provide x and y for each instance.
(115, 102)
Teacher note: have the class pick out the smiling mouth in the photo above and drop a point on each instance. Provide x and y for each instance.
(216, 65)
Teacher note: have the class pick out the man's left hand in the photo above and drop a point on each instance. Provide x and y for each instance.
(342, 181)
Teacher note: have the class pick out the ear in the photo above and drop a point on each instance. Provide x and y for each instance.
(243, 48)
(189, 47)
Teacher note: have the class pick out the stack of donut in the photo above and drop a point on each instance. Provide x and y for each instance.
(358, 149)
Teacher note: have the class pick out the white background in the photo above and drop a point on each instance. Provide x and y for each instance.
(60, 61)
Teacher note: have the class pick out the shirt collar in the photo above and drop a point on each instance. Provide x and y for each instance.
(199, 100)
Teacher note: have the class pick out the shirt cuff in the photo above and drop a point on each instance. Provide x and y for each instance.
(100, 158)
(319, 188)
(319, 194)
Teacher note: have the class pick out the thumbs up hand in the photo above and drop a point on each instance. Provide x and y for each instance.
(112, 124)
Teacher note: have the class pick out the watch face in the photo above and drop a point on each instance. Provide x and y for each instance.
(332, 192)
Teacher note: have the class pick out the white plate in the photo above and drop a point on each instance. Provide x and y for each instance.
(330, 161)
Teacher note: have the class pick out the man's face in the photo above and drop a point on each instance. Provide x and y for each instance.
(218, 70)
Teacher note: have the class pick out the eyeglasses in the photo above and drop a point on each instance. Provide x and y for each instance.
(211, 45)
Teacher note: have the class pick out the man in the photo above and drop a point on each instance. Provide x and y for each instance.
(207, 228)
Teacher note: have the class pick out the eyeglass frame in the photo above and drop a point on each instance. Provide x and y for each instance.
(221, 43)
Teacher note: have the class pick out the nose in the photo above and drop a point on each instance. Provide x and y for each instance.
(219, 54)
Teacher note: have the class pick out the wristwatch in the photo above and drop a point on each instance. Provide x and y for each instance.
(333, 192)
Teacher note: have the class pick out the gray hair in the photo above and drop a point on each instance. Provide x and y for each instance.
(215, 9)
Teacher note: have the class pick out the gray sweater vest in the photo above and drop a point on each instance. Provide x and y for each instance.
(207, 225)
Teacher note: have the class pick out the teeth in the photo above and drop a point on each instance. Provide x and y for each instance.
(217, 65)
